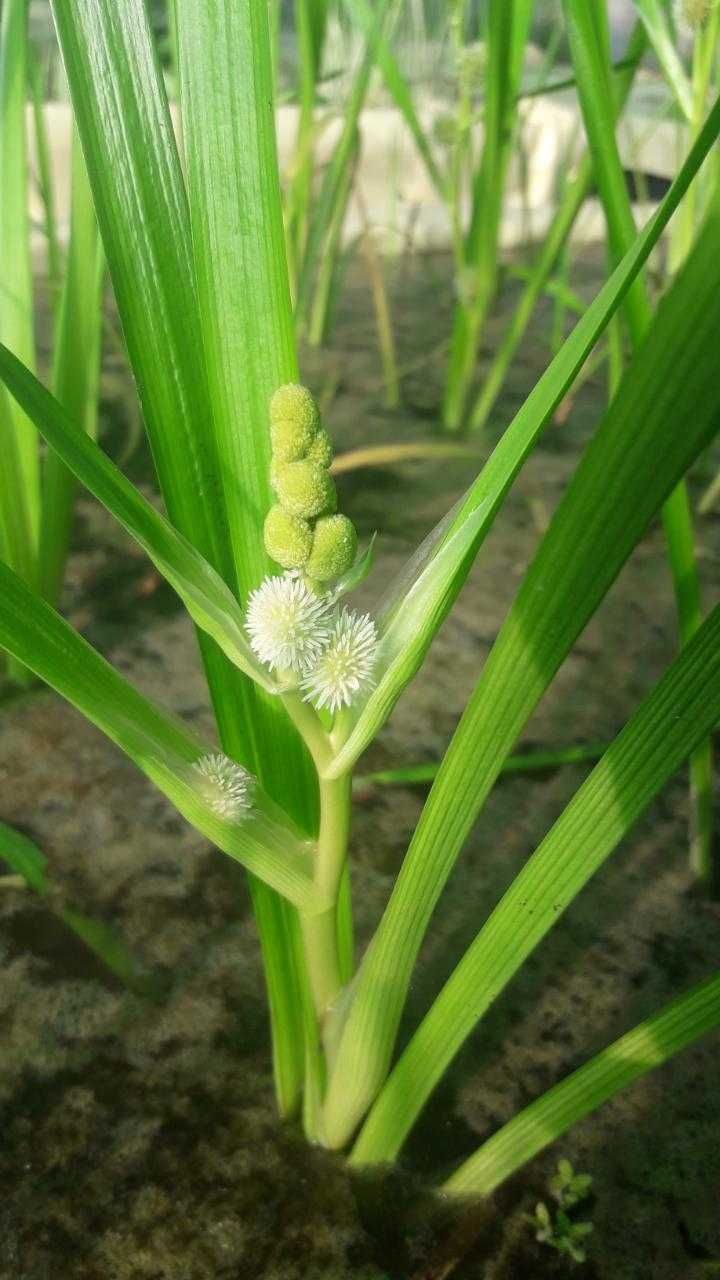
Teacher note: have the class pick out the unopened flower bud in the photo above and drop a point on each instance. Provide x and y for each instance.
(321, 450)
(305, 489)
(290, 440)
(294, 403)
(334, 547)
(288, 538)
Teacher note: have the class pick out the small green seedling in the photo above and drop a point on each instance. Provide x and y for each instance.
(555, 1227)
(567, 1187)
(559, 1232)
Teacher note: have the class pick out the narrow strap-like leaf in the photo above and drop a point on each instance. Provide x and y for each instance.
(20, 502)
(656, 24)
(208, 600)
(159, 744)
(643, 1049)
(663, 415)
(668, 724)
(132, 161)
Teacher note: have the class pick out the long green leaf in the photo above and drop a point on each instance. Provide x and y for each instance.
(647, 1046)
(141, 203)
(16, 293)
(663, 415)
(248, 343)
(160, 745)
(132, 162)
(126, 132)
(489, 490)
(524, 762)
(657, 26)
(76, 371)
(508, 29)
(24, 856)
(362, 15)
(406, 637)
(573, 198)
(589, 40)
(332, 186)
(676, 715)
(208, 600)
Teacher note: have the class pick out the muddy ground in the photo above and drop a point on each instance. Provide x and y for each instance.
(139, 1138)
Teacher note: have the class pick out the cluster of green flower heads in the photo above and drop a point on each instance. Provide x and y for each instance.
(303, 530)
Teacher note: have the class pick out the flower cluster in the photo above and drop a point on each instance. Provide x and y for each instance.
(332, 651)
(690, 15)
(224, 785)
(303, 529)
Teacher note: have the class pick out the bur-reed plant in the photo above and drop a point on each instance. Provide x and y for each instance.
(263, 561)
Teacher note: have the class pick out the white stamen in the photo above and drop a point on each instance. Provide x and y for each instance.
(344, 668)
(224, 785)
(287, 624)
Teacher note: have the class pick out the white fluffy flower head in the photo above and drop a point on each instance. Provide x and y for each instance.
(345, 666)
(287, 624)
(224, 785)
(691, 14)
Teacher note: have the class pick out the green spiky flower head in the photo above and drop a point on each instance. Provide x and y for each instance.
(305, 489)
(294, 403)
(302, 530)
(321, 450)
(291, 440)
(334, 547)
(288, 538)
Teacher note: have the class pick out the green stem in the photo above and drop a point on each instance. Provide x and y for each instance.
(320, 932)
(309, 726)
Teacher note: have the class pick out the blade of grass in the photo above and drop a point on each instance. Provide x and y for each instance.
(589, 46)
(16, 532)
(495, 479)
(654, 18)
(508, 29)
(249, 347)
(44, 177)
(573, 198)
(523, 762)
(362, 16)
(205, 595)
(680, 709)
(24, 856)
(663, 415)
(157, 743)
(76, 371)
(405, 634)
(646, 1047)
(381, 306)
(329, 272)
(331, 191)
(16, 292)
(134, 169)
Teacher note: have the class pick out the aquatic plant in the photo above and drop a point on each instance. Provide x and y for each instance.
(300, 682)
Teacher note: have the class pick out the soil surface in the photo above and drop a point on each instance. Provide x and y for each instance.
(140, 1140)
